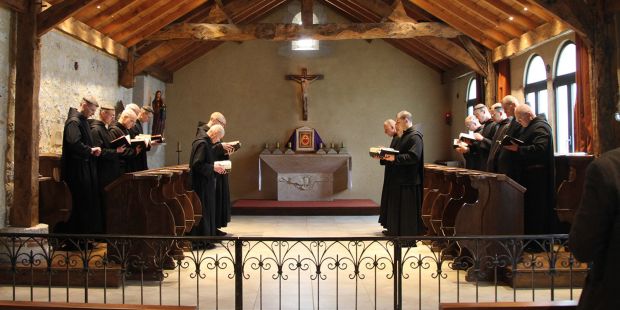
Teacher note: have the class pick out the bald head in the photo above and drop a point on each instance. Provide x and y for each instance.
(510, 103)
(217, 118)
(216, 133)
(389, 127)
(524, 114)
(472, 123)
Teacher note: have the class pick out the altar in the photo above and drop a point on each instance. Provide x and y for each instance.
(304, 177)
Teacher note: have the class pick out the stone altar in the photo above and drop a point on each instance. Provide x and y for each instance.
(304, 177)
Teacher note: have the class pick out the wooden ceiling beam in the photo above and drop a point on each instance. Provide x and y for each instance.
(108, 14)
(529, 40)
(358, 10)
(219, 5)
(449, 6)
(93, 38)
(259, 9)
(454, 51)
(307, 12)
(58, 13)
(131, 14)
(451, 20)
(15, 5)
(189, 54)
(491, 18)
(517, 17)
(289, 32)
(563, 11)
(430, 53)
(137, 22)
(537, 10)
(417, 13)
(91, 10)
(196, 53)
(157, 24)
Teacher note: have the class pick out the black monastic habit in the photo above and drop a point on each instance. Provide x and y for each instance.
(203, 183)
(500, 131)
(473, 158)
(140, 161)
(538, 177)
(508, 162)
(386, 181)
(404, 207)
(128, 157)
(108, 163)
(483, 147)
(79, 171)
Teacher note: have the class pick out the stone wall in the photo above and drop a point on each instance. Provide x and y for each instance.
(5, 29)
(365, 83)
(70, 70)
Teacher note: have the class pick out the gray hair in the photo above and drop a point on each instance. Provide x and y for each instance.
(498, 107)
(127, 113)
(133, 107)
(405, 115)
(217, 116)
(218, 130)
(510, 99)
(390, 122)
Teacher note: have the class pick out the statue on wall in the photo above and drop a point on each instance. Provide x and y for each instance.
(159, 114)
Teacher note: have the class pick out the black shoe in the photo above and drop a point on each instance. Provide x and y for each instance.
(220, 233)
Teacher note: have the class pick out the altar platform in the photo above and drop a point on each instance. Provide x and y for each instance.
(275, 207)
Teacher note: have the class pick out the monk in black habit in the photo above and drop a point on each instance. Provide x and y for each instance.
(508, 162)
(389, 127)
(144, 115)
(121, 128)
(538, 177)
(108, 165)
(203, 172)
(404, 216)
(502, 124)
(484, 139)
(221, 151)
(470, 150)
(79, 171)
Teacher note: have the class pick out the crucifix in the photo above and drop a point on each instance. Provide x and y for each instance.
(304, 80)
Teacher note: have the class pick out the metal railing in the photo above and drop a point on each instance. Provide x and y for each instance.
(288, 273)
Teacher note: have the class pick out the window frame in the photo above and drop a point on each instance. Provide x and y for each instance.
(535, 87)
(567, 80)
(470, 103)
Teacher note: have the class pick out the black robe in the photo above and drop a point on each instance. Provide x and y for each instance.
(538, 177)
(203, 183)
(404, 208)
(509, 163)
(108, 163)
(483, 147)
(500, 131)
(127, 159)
(473, 158)
(223, 207)
(140, 160)
(79, 171)
(386, 179)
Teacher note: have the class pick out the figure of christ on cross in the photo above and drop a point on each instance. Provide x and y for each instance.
(304, 80)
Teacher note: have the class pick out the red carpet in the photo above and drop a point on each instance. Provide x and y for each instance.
(336, 207)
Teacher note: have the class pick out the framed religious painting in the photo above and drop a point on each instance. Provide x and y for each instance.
(305, 139)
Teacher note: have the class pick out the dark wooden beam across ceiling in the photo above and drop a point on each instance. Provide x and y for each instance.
(58, 13)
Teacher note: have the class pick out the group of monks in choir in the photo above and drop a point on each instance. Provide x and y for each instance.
(510, 139)
(401, 197)
(91, 160)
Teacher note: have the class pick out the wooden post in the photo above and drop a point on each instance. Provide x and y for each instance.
(25, 210)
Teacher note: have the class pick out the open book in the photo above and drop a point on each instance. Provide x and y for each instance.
(456, 143)
(468, 138)
(121, 141)
(142, 140)
(226, 164)
(381, 151)
(508, 140)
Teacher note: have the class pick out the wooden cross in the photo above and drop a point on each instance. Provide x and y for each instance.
(304, 80)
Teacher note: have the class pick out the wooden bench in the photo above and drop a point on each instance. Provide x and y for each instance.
(538, 305)
(30, 305)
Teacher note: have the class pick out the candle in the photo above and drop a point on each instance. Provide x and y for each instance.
(178, 146)
(277, 145)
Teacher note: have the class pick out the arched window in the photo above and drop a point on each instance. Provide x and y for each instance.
(536, 85)
(472, 96)
(305, 44)
(565, 94)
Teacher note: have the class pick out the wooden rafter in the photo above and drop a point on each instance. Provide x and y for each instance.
(93, 38)
(564, 13)
(155, 25)
(289, 32)
(450, 6)
(128, 16)
(90, 10)
(58, 13)
(517, 16)
(307, 13)
(359, 10)
(220, 6)
(401, 45)
(15, 5)
(453, 21)
(537, 11)
(108, 14)
(120, 30)
(484, 16)
(529, 40)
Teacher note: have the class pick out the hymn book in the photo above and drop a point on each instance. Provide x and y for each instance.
(381, 152)
(226, 164)
(508, 140)
(235, 144)
(121, 141)
(468, 138)
(456, 143)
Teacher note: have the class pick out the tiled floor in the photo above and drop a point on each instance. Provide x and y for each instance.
(339, 288)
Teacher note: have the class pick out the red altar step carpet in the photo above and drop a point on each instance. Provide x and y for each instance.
(274, 207)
